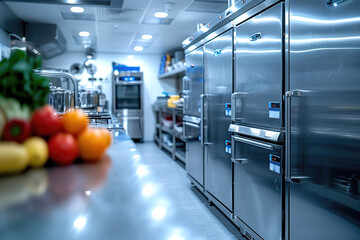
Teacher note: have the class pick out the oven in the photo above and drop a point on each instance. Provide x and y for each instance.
(127, 102)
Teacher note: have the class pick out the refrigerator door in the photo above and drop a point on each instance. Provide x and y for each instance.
(258, 86)
(323, 122)
(258, 186)
(193, 82)
(194, 152)
(218, 87)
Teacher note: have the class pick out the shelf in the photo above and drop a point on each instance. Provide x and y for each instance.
(178, 110)
(167, 147)
(180, 136)
(173, 74)
(180, 155)
(167, 130)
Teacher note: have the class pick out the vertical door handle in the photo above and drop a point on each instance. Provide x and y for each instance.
(234, 107)
(202, 97)
(288, 176)
(185, 81)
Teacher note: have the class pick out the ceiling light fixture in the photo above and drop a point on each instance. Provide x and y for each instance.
(77, 9)
(146, 37)
(167, 7)
(84, 34)
(161, 14)
(138, 48)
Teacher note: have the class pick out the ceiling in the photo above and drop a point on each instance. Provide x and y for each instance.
(118, 30)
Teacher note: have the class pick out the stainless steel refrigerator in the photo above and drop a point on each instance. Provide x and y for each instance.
(193, 84)
(258, 125)
(218, 65)
(323, 124)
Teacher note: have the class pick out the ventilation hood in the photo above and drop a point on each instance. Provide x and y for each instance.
(47, 38)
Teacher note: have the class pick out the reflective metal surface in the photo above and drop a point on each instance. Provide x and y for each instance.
(323, 123)
(133, 125)
(127, 102)
(118, 198)
(239, 8)
(257, 133)
(193, 82)
(218, 87)
(258, 84)
(53, 73)
(258, 186)
(191, 119)
(194, 152)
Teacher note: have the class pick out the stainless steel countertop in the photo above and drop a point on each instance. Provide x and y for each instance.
(113, 199)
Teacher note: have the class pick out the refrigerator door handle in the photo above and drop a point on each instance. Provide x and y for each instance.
(233, 105)
(185, 81)
(239, 160)
(254, 143)
(234, 100)
(186, 102)
(202, 97)
(334, 3)
(296, 93)
(298, 179)
(288, 176)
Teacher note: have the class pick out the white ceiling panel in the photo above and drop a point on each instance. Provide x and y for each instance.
(120, 30)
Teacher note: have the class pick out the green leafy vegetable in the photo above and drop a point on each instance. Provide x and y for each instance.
(18, 81)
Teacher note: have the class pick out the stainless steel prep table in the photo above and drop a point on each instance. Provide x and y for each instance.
(118, 198)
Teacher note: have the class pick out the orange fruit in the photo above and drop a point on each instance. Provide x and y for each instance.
(75, 121)
(107, 136)
(92, 144)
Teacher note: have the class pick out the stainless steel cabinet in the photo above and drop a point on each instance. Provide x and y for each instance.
(218, 56)
(258, 82)
(193, 82)
(258, 187)
(323, 168)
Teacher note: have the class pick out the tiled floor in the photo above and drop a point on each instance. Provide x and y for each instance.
(208, 219)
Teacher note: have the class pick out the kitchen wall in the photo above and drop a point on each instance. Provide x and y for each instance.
(4, 38)
(149, 64)
(4, 44)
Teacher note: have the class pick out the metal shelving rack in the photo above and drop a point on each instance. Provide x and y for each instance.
(174, 151)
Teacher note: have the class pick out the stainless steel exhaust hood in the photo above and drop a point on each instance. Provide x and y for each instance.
(47, 38)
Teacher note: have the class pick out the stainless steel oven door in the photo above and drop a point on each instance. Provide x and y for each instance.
(127, 96)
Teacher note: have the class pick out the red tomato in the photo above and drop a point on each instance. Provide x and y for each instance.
(63, 148)
(45, 122)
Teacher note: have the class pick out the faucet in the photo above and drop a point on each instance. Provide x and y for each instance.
(53, 73)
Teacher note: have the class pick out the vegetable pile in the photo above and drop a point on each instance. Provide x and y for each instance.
(31, 132)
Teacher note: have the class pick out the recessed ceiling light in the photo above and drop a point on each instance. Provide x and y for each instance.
(84, 34)
(146, 37)
(161, 14)
(77, 9)
(138, 48)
